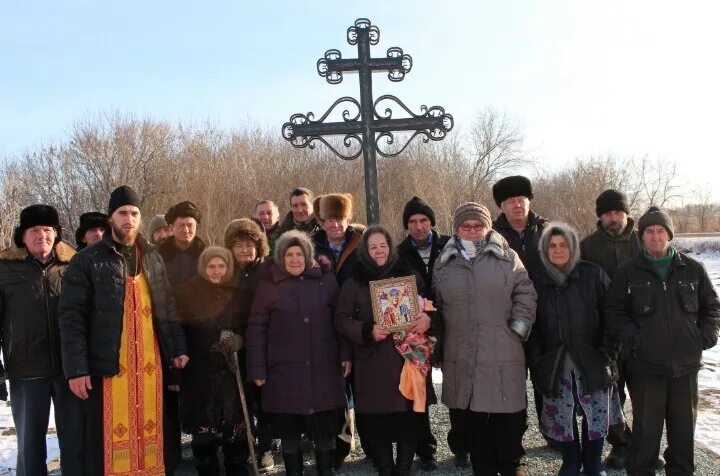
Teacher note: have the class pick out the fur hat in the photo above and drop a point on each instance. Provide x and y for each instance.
(611, 200)
(333, 205)
(656, 216)
(247, 229)
(156, 222)
(471, 211)
(212, 252)
(186, 209)
(417, 205)
(121, 197)
(294, 238)
(89, 221)
(37, 215)
(514, 186)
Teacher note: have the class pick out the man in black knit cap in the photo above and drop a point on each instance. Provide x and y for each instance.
(419, 250)
(118, 332)
(614, 242)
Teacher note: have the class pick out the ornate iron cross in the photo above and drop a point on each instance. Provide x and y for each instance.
(363, 131)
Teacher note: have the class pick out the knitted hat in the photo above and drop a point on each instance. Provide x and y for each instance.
(121, 197)
(36, 215)
(471, 211)
(417, 205)
(333, 205)
(88, 221)
(184, 209)
(656, 216)
(247, 229)
(216, 252)
(514, 186)
(611, 200)
(156, 222)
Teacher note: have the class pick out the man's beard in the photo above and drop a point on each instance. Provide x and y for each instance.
(125, 237)
(614, 229)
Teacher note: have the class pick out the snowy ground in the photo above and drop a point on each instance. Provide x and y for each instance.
(708, 421)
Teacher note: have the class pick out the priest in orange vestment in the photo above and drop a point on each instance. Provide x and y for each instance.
(118, 328)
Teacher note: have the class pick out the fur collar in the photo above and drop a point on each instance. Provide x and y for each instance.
(496, 245)
(63, 253)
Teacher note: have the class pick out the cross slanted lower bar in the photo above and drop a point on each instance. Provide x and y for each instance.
(364, 130)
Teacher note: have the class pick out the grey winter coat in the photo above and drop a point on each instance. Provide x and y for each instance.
(483, 360)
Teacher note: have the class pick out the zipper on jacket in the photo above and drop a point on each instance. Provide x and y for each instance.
(49, 323)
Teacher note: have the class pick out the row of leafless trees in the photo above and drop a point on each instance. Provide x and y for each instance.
(226, 172)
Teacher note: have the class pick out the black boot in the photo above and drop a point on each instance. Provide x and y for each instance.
(325, 462)
(383, 458)
(235, 458)
(404, 460)
(205, 457)
(293, 463)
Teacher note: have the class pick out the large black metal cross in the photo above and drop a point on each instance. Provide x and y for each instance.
(363, 130)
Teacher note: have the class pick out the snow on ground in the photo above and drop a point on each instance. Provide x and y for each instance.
(708, 418)
(8, 441)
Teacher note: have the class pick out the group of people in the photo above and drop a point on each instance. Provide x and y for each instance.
(272, 336)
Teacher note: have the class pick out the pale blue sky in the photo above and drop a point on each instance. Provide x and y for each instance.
(581, 77)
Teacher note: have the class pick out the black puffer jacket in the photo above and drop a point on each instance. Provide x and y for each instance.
(570, 321)
(29, 296)
(91, 309)
(526, 246)
(663, 325)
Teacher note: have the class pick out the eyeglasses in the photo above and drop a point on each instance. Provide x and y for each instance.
(479, 227)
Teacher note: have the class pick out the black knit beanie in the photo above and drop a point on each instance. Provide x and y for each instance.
(417, 205)
(121, 197)
(611, 200)
(656, 216)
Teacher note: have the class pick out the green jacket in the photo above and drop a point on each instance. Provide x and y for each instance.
(609, 252)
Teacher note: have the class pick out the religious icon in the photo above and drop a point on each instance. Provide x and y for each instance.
(395, 302)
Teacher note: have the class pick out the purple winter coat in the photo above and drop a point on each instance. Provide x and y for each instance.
(292, 343)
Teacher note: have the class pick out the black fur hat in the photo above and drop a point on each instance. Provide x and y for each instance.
(36, 215)
(88, 221)
(514, 186)
(186, 209)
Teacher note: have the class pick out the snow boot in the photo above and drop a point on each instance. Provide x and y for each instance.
(235, 458)
(404, 459)
(293, 463)
(206, 460)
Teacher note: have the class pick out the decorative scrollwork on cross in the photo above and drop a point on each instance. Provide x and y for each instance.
(364, 131)
(363, 24)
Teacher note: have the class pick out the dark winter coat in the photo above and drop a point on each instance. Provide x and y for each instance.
(526, 246)
(247, 280)
(376, 365)
(663, 325)
(209, 390)
(92, 303)
(292, 343)
(570, 321)
(609, 252)
(343, 266)
(310, 227)
(409, 254)
(29, 294)
(181, 265)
